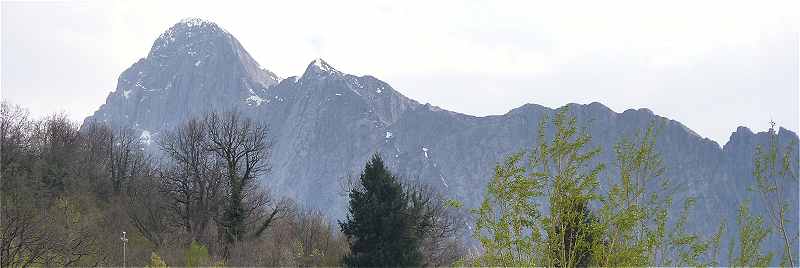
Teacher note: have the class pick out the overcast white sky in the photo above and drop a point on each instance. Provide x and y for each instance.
(710, 65)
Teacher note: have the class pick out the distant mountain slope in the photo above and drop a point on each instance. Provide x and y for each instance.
(193, 67)
(325, 124)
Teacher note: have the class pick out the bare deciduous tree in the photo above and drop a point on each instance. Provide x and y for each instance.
(23, 240)
(127, 159)
(241, 145)
(192, 178)
(147, 210)
(212, 174)
(441, 225)
(14, 132)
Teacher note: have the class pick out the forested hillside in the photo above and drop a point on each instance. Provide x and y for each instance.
(71, 196)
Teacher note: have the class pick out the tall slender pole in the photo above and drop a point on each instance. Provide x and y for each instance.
(124, 239)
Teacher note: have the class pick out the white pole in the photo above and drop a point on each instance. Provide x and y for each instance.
(124, 239)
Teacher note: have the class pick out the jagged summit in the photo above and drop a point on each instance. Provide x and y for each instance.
(325, 123)
(319, 67)
(743, 130)
(195, 22)
(197, 25)
(785, 131)
(193, 67)
(745, 133)
(320, 63)
(196, 43)
(187, 33)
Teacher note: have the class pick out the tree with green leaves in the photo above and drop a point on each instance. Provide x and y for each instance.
(196, 255)
(510, 224)
(570, 180)
(380, 225)
(506, 221)
(156, 262)
(634, 213)
(775, 173)
(629, 213)
(684, 248)
(752, 232)
(629, 227)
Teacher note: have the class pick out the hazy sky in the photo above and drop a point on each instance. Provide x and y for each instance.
(710, 65)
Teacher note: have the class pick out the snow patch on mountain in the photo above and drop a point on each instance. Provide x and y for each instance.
(320, 68)
(254, 100)
(146, 138)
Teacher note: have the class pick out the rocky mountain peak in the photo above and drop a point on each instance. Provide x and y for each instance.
(193, 67)
(195, 43)
(185, 34)
(326, 123)
(196, 22)
(320, 68)
(742, 130)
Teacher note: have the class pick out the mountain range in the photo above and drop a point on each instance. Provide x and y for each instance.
(324, 124)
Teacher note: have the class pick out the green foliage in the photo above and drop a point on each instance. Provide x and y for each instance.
(751, 235)
(633, 217)
(70, 231)
(689, 249)
(509, 224)
(155, 261)
(196, 255)
(571, 180)
(775, 170)
(452, 203)
(380, 226)
(507, 218)
(631, 227)
(629, 215)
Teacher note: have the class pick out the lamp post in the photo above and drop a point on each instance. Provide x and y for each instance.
(124, 239)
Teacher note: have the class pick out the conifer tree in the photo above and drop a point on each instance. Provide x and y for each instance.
(380, 226)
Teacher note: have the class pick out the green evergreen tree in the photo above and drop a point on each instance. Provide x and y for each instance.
(380, 226)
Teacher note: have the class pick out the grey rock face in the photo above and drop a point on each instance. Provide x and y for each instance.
(325, 124)
(192, 68)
